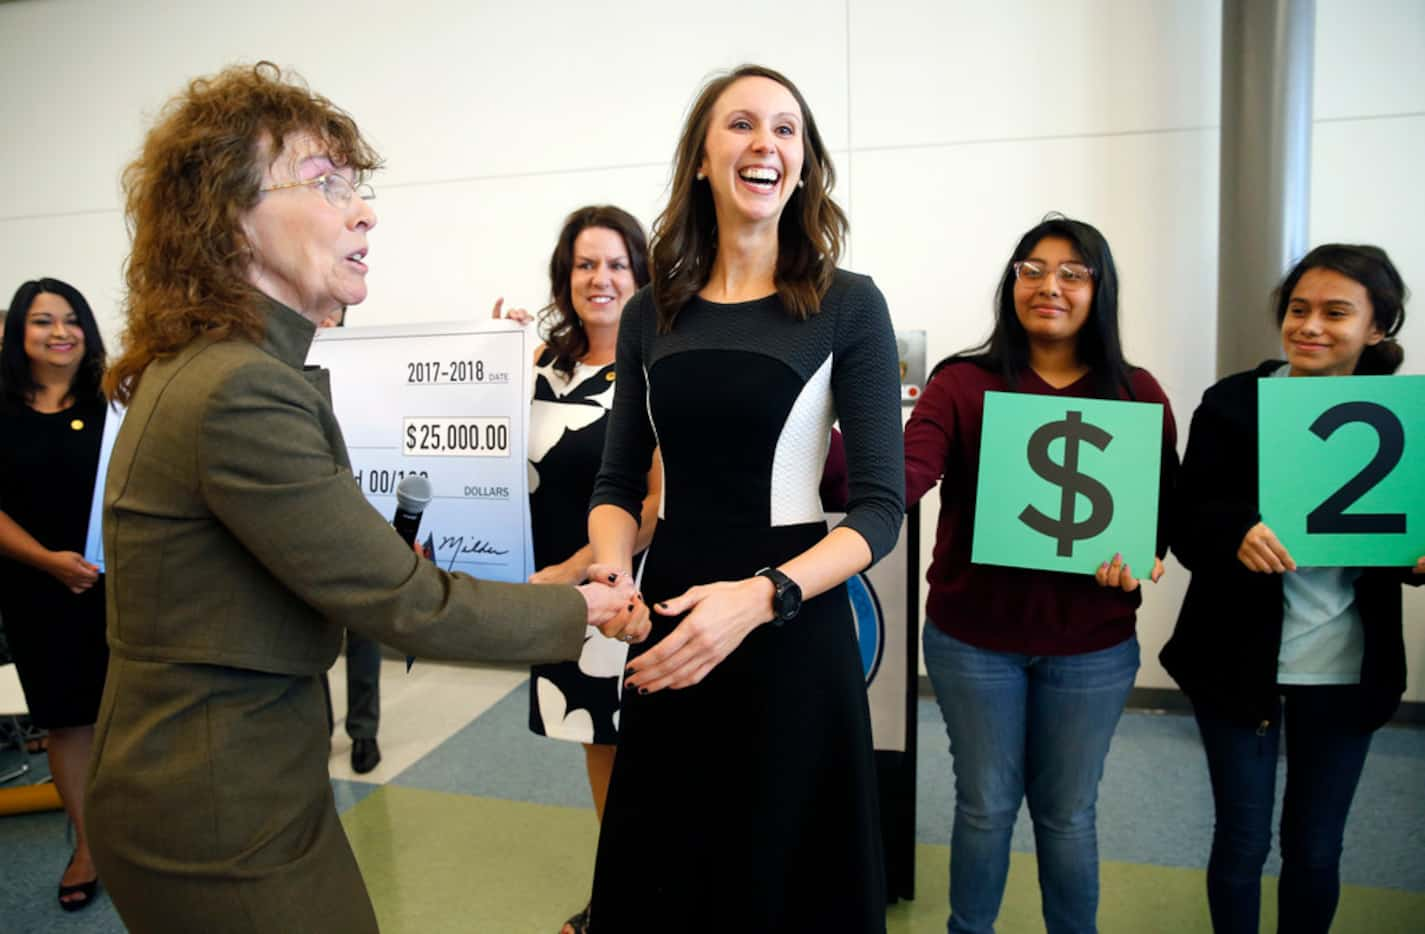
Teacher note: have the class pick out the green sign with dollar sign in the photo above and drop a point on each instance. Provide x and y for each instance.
(1342, 468)
(1066, 483)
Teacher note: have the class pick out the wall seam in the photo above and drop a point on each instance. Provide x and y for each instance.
(850, 143)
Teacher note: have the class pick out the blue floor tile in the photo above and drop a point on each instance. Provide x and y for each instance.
(349, 793)
(497, 756)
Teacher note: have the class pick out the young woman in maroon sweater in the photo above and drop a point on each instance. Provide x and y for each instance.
(1031, 668)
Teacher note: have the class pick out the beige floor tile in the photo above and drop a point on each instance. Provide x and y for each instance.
(419, 710)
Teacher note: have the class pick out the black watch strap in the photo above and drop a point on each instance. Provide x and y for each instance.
(786, 595)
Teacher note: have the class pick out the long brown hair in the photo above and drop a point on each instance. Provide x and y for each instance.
(564, 330)
(809, 236)
(185, 199)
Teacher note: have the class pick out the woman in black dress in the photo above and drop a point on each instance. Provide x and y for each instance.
(52, 599)
(744, 796)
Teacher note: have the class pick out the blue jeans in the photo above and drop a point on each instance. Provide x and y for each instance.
(1027, 726)
(1324, 759)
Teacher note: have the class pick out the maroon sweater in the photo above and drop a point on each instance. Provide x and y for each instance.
(1001, 608)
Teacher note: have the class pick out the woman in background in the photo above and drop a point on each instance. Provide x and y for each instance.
(52, 421)
(1260, 640)
(599, 261)
(1031, 668)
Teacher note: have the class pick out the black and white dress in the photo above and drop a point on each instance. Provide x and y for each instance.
(748, 802)
(576, 701)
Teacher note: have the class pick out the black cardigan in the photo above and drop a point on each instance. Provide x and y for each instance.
(1224, 650)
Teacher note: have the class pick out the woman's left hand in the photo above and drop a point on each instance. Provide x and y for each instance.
(720, 616)
(1419, 566)
(1117, 574)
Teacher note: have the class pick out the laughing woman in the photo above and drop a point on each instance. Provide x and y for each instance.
(744, 792)
(1260, 641)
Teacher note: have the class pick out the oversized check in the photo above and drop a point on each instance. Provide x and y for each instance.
(449, 402)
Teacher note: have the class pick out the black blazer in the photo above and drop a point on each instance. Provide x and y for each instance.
(1224, 650)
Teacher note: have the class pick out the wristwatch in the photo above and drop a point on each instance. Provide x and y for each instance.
(786, 595)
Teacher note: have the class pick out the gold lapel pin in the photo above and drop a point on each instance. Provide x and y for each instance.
(77, 424)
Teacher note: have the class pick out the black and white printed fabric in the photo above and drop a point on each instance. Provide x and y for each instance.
(576, 701)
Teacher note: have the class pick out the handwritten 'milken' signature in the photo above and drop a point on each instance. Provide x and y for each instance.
(459, 546)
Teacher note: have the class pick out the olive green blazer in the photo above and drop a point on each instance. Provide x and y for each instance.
(235, 535)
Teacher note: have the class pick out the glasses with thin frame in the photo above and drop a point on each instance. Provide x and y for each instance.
(337, 188)
(1070, 275)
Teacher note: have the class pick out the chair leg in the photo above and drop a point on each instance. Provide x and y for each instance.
(24, 766)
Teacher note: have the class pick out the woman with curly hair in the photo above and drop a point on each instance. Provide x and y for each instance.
(238, 545)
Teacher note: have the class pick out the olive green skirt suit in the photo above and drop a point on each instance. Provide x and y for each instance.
(238, 547)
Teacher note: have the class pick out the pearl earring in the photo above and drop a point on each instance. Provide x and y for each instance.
(801, 183)
(700, 176)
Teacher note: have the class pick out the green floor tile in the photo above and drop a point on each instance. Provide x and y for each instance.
(439, 862)
(1140, 899)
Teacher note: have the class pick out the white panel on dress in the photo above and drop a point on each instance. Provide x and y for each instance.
(800, 459)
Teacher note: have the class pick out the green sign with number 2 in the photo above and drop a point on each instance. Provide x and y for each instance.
(1342, 468)
(1065, 483)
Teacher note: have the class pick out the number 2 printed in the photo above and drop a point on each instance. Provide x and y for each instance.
(1330, 517)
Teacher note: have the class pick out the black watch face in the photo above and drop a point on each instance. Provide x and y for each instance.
(789, 601)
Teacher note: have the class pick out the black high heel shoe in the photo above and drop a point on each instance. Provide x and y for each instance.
(579, 924)
(89, 890)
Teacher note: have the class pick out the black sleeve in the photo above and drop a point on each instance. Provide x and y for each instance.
(865, 385)
(1216, 501)
(629, 442)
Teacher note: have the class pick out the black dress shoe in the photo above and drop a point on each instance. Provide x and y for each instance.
(365, 755)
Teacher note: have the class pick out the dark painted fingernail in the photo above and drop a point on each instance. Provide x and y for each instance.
(630, 607)
(628, 671)
(613, 578)
(662, 606)
(643, 690)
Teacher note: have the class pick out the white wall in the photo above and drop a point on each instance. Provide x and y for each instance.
(1366, 187)
(955, 126)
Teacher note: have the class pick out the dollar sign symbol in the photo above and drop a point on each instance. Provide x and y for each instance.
(1073, 429)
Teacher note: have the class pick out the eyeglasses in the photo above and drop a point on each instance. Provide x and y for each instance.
(1070, 275)
(337, 188)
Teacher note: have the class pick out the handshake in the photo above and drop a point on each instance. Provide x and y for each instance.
(615, 606)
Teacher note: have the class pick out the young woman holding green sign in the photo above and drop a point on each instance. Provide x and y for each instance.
(1031, 667)
(1258, 637)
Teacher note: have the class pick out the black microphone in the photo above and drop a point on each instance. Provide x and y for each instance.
(413, 494)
